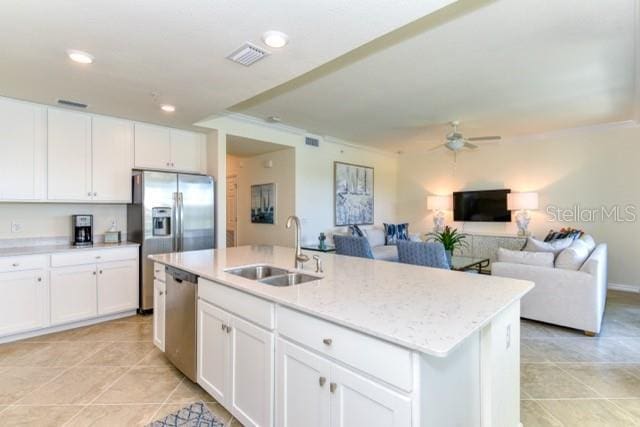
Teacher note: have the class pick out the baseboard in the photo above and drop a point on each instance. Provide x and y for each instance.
(623, 287)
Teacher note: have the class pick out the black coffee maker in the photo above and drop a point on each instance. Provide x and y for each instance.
(82, 230)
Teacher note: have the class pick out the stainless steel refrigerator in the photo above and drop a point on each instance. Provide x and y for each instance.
(170, 212)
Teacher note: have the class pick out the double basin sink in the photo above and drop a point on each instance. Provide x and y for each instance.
(272, 276)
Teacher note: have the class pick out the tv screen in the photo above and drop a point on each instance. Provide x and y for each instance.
(481, 206)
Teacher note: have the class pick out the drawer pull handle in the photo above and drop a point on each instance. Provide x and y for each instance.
(94, 273)
(223, 327)
(327, 341)
(157, 271)
(15, 264)
(322, 381)
(161, 293)
(39, 279)
(333, 387)
(98, 257)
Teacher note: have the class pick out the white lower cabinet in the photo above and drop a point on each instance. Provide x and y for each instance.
(235, 364)
(159, 289)
(314, 391)
(116, 286)
(25, 301)
(73, 293)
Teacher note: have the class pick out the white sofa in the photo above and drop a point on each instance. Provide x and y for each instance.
(574, 299)
(375, 236)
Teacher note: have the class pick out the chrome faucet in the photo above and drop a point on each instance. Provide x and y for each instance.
(300, 258)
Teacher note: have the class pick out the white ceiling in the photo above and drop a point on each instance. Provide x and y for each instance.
(240, 146)
(177, 49)
(509, 67)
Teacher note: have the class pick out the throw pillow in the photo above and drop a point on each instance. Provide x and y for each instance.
(395, 232)
(588, 239)
(534, 245)
(540, 259)
(356, 231)
(376, 237)
(563, 234)
(574, 256)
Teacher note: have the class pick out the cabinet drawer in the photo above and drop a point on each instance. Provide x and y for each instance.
(381, 359)
(239, 303)
(92, 256)
(159, 272)
(22, 263)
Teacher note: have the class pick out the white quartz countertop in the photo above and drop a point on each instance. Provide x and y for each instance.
(49, 249)
(428, 310)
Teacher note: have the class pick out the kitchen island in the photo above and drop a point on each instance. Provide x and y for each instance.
(367, 343)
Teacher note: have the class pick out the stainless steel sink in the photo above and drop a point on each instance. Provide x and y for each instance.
(257, 272)
(289, 279)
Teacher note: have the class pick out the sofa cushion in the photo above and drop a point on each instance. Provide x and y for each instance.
(555, 247)
(588, 239)
(574, 256)
(541, 259)
(395, 232)
(385, 253)
(375, 236)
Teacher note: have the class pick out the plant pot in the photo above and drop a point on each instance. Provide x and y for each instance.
(449, 254)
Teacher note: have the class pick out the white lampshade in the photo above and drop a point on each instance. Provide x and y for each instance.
(522, 201)
(439, 203)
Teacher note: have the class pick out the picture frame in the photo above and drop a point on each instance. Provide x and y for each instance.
(354, 194)
(263, 203)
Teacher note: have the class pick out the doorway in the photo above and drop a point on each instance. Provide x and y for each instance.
(232, 211)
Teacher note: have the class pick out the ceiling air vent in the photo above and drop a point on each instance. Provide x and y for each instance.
(247, 54)
(313, 142)
(72, 103)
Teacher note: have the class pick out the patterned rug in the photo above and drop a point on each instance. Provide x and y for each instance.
(194, 415)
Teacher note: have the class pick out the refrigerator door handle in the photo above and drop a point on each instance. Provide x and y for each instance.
(176, 218)
(181, 202)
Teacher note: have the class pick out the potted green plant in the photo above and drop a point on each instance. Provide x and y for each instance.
(450, 239)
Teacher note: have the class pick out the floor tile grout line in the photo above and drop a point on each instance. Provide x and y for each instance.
(553, 417)
(152, 417)
(129, 369)
(626, 412)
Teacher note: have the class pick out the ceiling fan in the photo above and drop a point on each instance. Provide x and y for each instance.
(456, 141)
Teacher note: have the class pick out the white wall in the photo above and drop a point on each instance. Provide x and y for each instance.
(313, 173)
(590, 168)
(54, 220)
(250, 171)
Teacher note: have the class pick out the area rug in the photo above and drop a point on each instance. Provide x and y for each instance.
(194, 415)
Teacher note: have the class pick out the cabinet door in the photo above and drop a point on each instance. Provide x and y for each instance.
(69, 155)
(23, 150)
(25, 301)
(152, 146)
(302, 387)
(358, 401)
(158, 313)
(251, 373)
(73, 293)
(112, 145)
(213, 351)
(117, 286)
(187, 150)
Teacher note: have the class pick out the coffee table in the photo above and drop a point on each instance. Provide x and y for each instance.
(314, 247)
(462, 263)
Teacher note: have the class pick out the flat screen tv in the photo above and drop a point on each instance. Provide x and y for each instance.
(481, 206)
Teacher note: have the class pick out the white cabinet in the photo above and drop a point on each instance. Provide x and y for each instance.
(69, 156)
(235, 364)
(158, 147)
(73, 293)
(117, 290)
(159, 289)
(24, 302)
(312, 390)
(112, 159)
(302, 396)
(23, 150)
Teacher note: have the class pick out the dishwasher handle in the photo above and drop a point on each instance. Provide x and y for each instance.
(181, 276)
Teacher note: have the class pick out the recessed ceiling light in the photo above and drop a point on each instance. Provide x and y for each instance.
(79, 56)
(275, 39)
(168, 108)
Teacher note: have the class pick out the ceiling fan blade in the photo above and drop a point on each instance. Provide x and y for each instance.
(485, 138)
(470, 146)
(434, 148)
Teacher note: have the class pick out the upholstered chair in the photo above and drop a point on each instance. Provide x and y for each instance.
(428, 254)
(352, 246)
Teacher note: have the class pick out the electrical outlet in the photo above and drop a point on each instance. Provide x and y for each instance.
(16, 226)
(508, 336)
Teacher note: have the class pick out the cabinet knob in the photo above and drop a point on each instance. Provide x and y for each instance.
(333, 387)
(39, 279)
(89, 194)
(100, 271)
(94, 273)
(322, 381)
(15, 264)
(327, 341)
(95, 194)
(98, 257)
(161, 293)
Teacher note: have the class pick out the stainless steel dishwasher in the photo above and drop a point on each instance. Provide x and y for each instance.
(180, 320)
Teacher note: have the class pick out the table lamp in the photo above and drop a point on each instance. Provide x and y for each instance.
(438, 204)
(522, 202)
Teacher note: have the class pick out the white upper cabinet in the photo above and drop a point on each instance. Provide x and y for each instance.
(187, 151)
(158, 147)
(152, 146)
(69, 156)
(23, 148)
(112, 144)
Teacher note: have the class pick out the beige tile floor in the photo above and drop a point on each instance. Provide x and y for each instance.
(111, 374)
